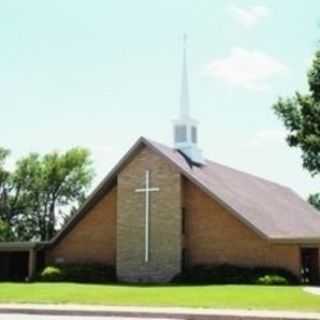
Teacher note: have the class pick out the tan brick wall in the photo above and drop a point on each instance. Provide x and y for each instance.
(93, 239)
(165, 220)
(215, 236)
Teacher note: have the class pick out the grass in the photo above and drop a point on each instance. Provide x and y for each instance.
(211, 296)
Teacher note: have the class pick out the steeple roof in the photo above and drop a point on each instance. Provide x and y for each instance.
(185, 127)
(184, 98)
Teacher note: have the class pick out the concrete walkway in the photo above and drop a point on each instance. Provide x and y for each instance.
(313, 290)
(154, 313)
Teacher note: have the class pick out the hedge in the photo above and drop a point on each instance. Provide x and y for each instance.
(231, 274)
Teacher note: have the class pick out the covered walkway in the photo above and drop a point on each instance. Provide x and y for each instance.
(19, 260)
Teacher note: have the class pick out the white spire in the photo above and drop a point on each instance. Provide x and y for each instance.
(186, 128)
(184, 98)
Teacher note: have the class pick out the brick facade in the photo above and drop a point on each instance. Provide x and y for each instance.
(93, 239)
(165, 220)
(215, 236)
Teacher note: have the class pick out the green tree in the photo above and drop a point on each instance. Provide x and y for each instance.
(301, 117)
(4, 174)
(5, 232)
(314, 199)
(5, 189)
(43, 191)
(51, 187)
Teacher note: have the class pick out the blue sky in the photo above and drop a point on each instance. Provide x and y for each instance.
(101, 73)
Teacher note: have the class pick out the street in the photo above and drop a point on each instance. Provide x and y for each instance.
(46, 317)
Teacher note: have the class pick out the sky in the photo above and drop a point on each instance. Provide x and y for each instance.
(99, 74)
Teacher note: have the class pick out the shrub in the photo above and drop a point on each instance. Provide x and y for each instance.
(83, 273)
(51, 274)
(230, 274)
(213, 274)
(272, 279)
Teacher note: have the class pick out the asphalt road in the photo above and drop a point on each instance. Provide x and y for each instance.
(44, 317)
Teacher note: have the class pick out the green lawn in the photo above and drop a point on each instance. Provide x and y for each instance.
(211, 296)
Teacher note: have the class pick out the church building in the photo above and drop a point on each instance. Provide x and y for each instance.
(163, 209)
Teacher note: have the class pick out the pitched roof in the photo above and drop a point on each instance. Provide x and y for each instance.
(273, 211)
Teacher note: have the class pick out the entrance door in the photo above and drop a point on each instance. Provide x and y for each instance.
(310, 265)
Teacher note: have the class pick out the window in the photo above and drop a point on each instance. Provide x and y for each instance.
(180, 134)
(183, 221)
(184, 259)
(194, 135)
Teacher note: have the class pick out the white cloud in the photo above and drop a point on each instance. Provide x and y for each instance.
(274, 137)
(245, 68)
(249, 16)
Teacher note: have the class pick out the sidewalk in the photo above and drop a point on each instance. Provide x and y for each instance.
(156, 313)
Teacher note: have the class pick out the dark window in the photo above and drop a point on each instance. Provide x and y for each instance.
(194, 135)
(184, 259)
(180, 134)
(183, 220)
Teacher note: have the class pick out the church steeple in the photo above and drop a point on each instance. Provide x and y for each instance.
(186, 128)
(184, 98)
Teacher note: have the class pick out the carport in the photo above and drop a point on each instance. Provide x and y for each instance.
(18, 260)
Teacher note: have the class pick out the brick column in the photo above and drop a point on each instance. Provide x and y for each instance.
(165, 221)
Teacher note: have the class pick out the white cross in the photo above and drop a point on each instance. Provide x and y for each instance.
(147, 191)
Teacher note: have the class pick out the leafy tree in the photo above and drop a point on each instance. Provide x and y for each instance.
(43, 191)
(4, 174)
(5, 232)
(301, 117)
(5, 190)
(51, 186)
(314, 199)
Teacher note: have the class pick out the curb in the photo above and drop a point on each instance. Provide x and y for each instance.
(101, 313)
(156, 314)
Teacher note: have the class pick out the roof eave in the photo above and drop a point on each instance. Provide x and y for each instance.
(21, 246)
(296, 240)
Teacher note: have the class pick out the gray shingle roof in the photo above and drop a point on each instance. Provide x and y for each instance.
(273, 211)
